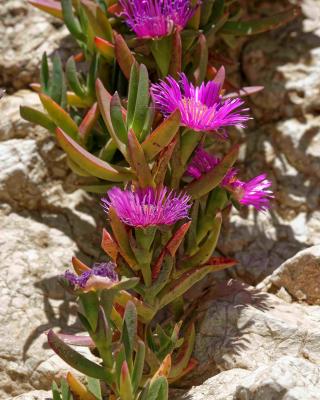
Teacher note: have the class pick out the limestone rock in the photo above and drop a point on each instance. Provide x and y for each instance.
(288, 378)
(242, 327)
(12, 125)
(300, 276)
(34, 395)
(32, 301)
(26, 34)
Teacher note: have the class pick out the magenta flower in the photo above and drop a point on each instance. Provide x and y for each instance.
(104, 270)
(255, 192)
(156, 18)
(147, 207)
(201, 107)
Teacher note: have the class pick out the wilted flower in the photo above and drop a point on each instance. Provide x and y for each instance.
(147, 207)
(156, 18)
(254, 192)
(103, 270)
(202, 107)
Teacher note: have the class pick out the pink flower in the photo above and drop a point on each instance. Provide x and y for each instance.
(254, 192)
(201, 107)
(147, 207)
(156, 18)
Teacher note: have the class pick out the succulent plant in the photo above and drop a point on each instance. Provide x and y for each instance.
(138, 112)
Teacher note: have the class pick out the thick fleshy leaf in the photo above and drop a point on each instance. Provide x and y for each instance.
(158, 390)
(161, 50)
(207, 248)
(49, 6)
(177, 238)
(75, 340)
(109, 245)
(202, 56)
(162, 136)
(123, 55)
(181, 285)
(73, 79)
(79, 266)
(138, 366)
(71, 21)
(184, 353)
(104, 101)
(132, 93)
(253, 27)
(145, 312)
(129, 331)
(139, 162)
(125, 387)
(212, 179)
(57, 84)
(161, 165)
(220, 76)
(77, 360)
(88, 122)
(60, 117)
(98, 21)
(105, 48)
(175, 66)
(142, 101)
(78, 388)
(37, 117)
(90, 163)
(118, 123)
(121, 235)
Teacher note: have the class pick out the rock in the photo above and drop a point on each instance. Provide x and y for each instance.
(20, 58)
(12, 125)
(32, 301)
(242, 327)
(34, 395)
(22, 173)
(300, 276)
(288, 378)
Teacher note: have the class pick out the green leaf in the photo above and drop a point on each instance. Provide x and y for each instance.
(129, 331)
(139, 162)
(175, 66)
(125, 387)
(138, 366)
(212, 179)
(89, 122)
(59, 116)
(90, 304)
(57, 89)
(253, 27)
(162, 135)
(161, 50)
(132, 93)
(98, 20)
(123, 55)
(202, 56)
(207, 248)
(71, 21)
(105, 48)
(51, 7)
(37, 117)
(55, 391)
(90, 163)
(77, 360)
(121, 236)
(44, 73)
(118, 123)
(94, 387)
(158, 389)
(65, 390)
(142, 101)
(72, 77)
(104, 101)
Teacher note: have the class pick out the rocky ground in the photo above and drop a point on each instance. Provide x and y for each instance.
(258, 333)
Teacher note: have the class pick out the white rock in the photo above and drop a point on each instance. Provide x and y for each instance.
(300, 276)
(34, 395)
